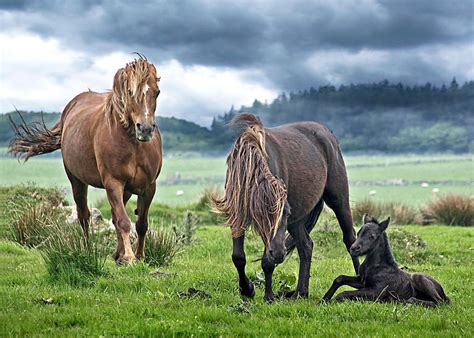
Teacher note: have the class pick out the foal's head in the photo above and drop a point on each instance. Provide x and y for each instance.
(368, 236)
(134, 94)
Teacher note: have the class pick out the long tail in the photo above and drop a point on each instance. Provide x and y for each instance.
(34, 138)
(252, 193)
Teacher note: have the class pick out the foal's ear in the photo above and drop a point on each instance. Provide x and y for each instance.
(366, 219)
(384, 224)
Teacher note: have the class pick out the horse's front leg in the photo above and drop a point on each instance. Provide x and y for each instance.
(238, 257)
(115, 193)
(268, 267)
(143, 204)
(354, 281)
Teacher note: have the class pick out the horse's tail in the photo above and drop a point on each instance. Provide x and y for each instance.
(252, 193)
(34, 138)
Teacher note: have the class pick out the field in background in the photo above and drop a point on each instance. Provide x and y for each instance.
(184, 177)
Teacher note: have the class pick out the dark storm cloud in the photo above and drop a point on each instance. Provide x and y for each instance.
(275, 36)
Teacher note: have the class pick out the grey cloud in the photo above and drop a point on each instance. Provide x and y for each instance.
(276, 36)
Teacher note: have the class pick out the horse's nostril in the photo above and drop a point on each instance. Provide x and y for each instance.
(139, 126)
(154, 125)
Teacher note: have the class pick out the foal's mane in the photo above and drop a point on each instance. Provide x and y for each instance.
(252, 193)
(127, 82)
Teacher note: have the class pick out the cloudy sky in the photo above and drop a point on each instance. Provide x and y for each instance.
(215, 53)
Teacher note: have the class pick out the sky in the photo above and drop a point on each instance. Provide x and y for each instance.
(213, 54)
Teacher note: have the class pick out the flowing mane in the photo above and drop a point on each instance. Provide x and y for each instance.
(129, 81)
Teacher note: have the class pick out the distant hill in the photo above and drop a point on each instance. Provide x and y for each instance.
(373, 117)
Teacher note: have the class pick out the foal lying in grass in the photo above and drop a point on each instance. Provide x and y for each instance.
(380, 278)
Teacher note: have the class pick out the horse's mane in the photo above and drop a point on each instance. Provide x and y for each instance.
(127, 82)
(252, 193)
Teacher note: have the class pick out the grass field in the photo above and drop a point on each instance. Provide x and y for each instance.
(128, 300)
(448, 173)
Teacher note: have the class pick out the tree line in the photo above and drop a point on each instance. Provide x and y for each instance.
(382, 116)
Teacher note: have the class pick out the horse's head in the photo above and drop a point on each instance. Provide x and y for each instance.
(135, 92)
(368, 236)
(276, 248)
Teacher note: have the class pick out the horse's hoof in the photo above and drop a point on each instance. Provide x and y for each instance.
(248, 291)
(124, 260)
(269, 299)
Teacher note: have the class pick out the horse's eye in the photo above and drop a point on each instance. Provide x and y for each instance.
(373, 236)
(130, 92)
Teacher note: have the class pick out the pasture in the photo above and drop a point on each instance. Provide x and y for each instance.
(130, 300)
(185, 176)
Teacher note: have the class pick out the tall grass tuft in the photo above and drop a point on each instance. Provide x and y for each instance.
(161, 246)
(29, 213)
(449, 210)
(72, 258)
(400, 213)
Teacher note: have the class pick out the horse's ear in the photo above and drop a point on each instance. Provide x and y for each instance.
(366, 219)
(384, 224)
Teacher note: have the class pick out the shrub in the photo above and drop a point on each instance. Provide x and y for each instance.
(407, 247)
(449, 210)
(72, 258)
(400, 213)
(161, 246)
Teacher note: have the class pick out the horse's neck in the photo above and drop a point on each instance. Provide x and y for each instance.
(382, 253)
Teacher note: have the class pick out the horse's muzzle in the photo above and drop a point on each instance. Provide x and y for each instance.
(144, 131)
(277, 256)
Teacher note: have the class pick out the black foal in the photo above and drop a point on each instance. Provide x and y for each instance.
(380, 278)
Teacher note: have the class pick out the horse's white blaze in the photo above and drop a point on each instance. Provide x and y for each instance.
(145, 90)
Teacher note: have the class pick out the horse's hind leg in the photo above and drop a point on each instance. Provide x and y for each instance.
(336, 196)
(120, 249)
(238, 257)
(79, 192)
(143, 205)
(428, 289)
(304, 245)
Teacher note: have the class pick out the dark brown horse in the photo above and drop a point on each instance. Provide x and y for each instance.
(278, 179)
(107, 140)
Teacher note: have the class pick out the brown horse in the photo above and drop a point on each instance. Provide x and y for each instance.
(107, 140)
(278, 179)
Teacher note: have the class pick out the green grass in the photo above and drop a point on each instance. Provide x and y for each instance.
(128, 300)
(448, 173)
(131, 302)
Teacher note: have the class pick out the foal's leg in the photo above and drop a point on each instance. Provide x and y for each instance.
(369, 294)
(429, 288)
(304, 245)
(238, 257)
(79, 192)
(143, 205)
(120, 249)
(353, 281)
(115, 194)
